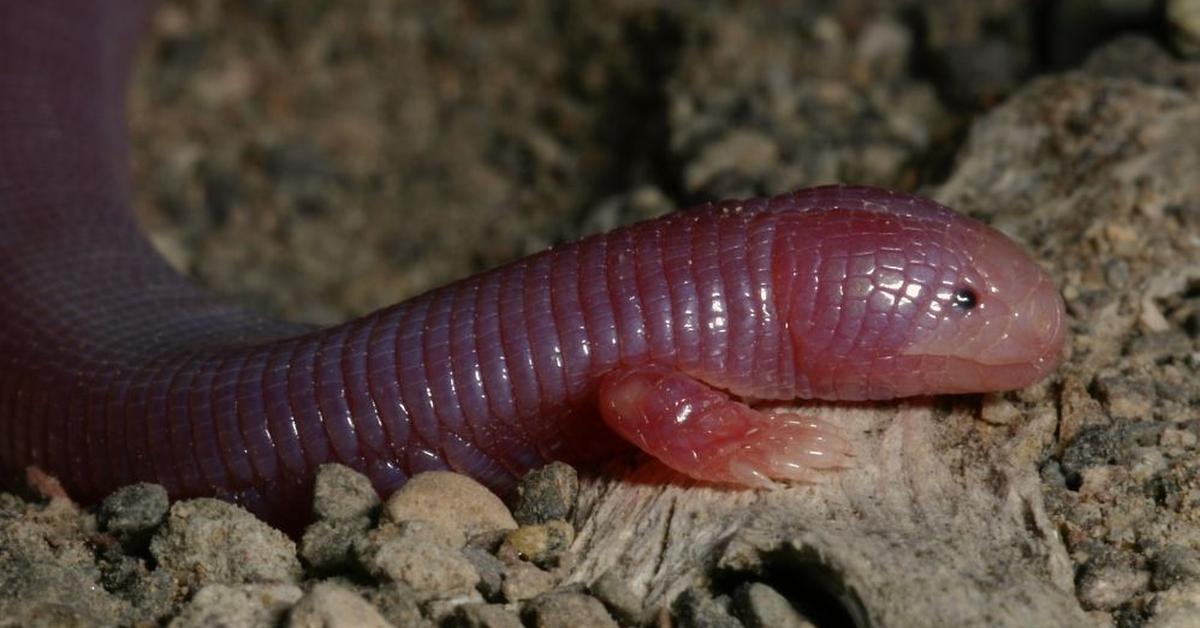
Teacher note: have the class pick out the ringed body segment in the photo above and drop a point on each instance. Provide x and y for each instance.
(114, 369)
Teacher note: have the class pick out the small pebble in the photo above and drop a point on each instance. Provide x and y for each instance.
(134, 510)
(1078, 410)
(488, 541)
(1178, 607)
(423, 562)
(1116, 273)
(450, 500)
(999, 411)
(540, 544)
(247, 605)
(761, 606)
(1174, 565)
(152, 592)
(1091, 447)
(614, 592)
(1159, 346)
(490, 570)
(1107, 586)
(1098, 482)
(567, 610)
(398, 604)
(423, 532)
(340, 492)
(884, 46)
(1183, 16)
(211, 541)
(546, 494)
(523, 581)
(696, 609)
(328, 544)
(329, 605)
(1172, 437)
(440, 612)
(1145, 463)
(1177, 382)
(745, 153)
(482, 616)
(1127, 397)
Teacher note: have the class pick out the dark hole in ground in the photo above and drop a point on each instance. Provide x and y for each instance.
(814, 588)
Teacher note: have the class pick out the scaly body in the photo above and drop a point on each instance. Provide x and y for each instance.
(113, 369)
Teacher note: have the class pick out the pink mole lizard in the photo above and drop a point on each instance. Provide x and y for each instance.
(113, 369)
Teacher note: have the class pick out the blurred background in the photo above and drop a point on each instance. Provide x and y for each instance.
(322, 159)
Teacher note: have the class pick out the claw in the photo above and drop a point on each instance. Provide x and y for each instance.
(782, 468)
(717, 439)
(814, 455)
(742, 472)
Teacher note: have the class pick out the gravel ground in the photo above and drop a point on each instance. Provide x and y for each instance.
(323, 159)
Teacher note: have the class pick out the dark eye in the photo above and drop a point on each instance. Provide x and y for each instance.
(965, 299)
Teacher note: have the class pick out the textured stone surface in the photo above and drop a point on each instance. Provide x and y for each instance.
(1122, 486)
(340, 492)
(567, 610)
(760, 606)
(426, 565)
(207, 541)
(48, 574)
(483, 616)
(490, 570)
(328, 545)
(695, 608)
(546, 494)
(134, 510)
(541, 544)
(450, 500)
(248, 605)
(398, 604)
(333, 606)
(1183, 17)
(523, 581)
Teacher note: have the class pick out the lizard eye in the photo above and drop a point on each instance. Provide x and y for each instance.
(965, 299)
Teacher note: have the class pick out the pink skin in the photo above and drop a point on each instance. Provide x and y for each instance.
(898, 272)
(114, 369)
(702, 432)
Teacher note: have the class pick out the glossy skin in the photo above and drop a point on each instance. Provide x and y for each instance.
(113, 369)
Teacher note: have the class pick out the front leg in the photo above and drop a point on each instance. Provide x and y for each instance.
(703, 433)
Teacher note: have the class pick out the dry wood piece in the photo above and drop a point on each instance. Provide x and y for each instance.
(937, 525)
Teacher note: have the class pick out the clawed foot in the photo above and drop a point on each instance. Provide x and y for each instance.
(783, 446)
(701, 432)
